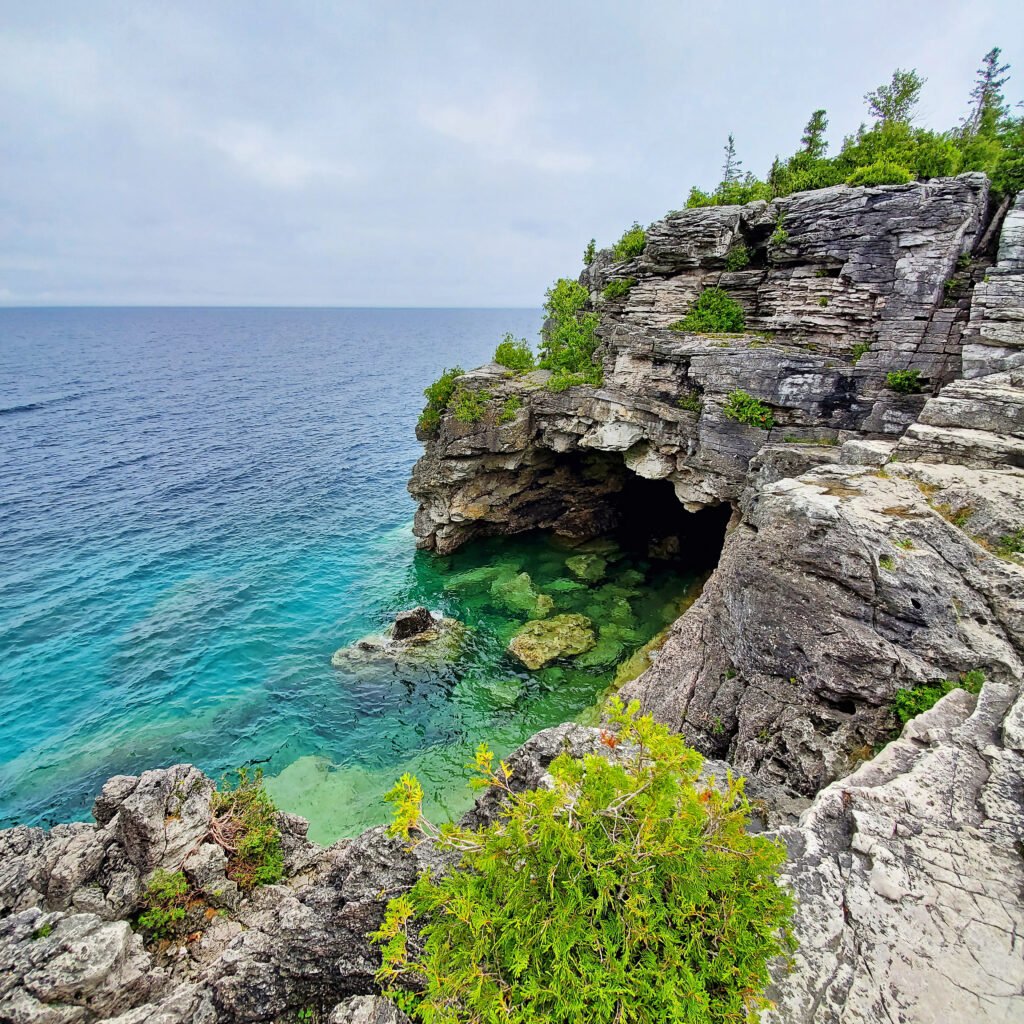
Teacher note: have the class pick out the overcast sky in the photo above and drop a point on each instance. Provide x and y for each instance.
(412, 153)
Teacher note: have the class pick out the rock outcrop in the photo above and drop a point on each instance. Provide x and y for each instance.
(69, 897)
(864, 551)
(908, 877)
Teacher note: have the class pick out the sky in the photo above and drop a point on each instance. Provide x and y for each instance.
(402, 153)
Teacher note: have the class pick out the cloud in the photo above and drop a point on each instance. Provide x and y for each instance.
(501, 128)
(270, 159)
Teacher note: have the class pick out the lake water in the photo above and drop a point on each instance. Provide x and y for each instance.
(199, 506)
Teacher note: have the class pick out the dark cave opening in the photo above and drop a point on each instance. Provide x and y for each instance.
(652, 521)
(597, 495)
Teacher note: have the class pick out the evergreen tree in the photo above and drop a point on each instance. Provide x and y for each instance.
(731, 167)
(813, 138)
(989, 104)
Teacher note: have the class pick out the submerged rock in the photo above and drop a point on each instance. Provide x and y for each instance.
(589, 567)
(544, 640)
(518, 595)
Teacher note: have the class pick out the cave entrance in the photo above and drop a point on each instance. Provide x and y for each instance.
(651, 522)
(595, 494)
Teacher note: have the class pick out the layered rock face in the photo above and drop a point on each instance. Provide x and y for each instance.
(866, 525)
(856, 266)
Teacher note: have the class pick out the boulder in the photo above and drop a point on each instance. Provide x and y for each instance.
(410, 623)
(544, 640)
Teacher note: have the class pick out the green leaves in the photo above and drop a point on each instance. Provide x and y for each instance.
(744, 408)
(569, 336)
(438, 395)
(714, 312)
(625, 890)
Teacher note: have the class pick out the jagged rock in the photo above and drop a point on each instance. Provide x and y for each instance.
(408, 624)
(424, 648)
(544, 640)
(367, 1010)
(908, 874)
(841, 586)
(74, 967)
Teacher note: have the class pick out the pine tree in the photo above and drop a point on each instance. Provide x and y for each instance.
(989, 104)
(813, 138)
(731, 167)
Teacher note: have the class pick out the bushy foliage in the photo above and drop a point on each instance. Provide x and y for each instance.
(619, 288)
(164, 902)
(438, 396)
(892, 149)
(569, 337)
(509, 408)
(905, 382)
(515, 353)
(737, 257)
(590, 252)
(628, 891)
(245, 824)
(858, 350)
(631, 244)
(744, 408)
(907, 704)
(714, 312)
(881, 172)
(1011, 544)
(469, 406)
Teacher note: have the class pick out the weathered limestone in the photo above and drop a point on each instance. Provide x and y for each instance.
(839, 587)
(880, 258)
(994, 338)
(907, 877)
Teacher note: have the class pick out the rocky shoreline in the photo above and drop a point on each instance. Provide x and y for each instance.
(865, 555)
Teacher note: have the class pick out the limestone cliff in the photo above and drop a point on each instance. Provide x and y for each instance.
(860, 555)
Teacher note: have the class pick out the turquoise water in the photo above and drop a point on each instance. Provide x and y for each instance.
(198, 508)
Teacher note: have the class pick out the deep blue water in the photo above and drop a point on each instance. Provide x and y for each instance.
(197, 507)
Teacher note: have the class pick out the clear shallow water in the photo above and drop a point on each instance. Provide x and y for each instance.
(197, 508)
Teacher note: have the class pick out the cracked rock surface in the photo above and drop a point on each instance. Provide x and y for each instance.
(908, 877)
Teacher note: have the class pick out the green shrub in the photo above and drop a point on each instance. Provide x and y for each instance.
(691, 402)
(509, 408)
(469, 406)
(618, 289)
(243, 811)
(570, 332)
(887, 562)
(631, 244)
(906, 382)
(562, 380)
(907, 704)
(737, 257)
(744, 408)
(438, 396)
(714, 312)
(1011, 544)
(164, 902)
(880, 173)
(43, 931)
(858, 350)
(626, 891)
(515, 353)
(780, 236)
(590, 252)
(822, 300)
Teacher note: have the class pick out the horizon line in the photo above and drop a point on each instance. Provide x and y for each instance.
(164, 305)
